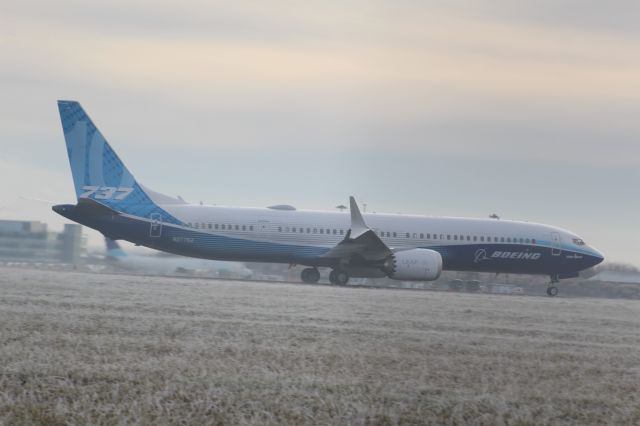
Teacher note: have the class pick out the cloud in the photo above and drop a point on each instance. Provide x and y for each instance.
(410, 102)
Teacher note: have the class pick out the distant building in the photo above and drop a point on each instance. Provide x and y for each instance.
(30, 241)
(623, 277)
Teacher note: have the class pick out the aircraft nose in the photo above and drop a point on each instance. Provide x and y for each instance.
(596, 256)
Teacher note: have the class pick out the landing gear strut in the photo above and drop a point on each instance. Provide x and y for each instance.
(310, 275)
(552, 290)
(338, 277)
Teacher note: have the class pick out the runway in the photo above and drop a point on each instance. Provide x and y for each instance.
(103, 349)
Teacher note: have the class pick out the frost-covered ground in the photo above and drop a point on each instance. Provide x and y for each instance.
(98, 349)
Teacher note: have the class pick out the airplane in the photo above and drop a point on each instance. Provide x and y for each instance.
(169, 264)
(373, 245)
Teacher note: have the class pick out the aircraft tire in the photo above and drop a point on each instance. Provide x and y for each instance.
(341, 277)
(332, 277)
(552, 291)
(310, 275)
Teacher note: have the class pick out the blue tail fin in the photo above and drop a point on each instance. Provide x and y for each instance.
(114, 251)
(98, 173)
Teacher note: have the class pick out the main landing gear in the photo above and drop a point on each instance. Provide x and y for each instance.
(310, 275)
(552, 290)
(338, 277)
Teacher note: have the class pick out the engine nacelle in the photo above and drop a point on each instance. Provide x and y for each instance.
(414, 265)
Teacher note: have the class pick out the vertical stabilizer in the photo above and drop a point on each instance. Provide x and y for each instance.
(114, 251)
(98, 173)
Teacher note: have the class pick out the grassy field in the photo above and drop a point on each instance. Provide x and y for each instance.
(99, 349)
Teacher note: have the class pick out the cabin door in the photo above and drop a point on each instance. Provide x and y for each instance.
(263, 228)
(556, 244)
(155, 230)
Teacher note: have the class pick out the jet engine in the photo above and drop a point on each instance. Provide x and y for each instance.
(414, 265)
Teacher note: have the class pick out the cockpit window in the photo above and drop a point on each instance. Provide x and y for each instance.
(578, 241)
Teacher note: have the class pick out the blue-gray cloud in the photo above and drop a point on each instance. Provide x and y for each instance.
(458, 108)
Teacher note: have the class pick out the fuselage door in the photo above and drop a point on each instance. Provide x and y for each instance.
(262, 228)
(156, 225)
(556, 244)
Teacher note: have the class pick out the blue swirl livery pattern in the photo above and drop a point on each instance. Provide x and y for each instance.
(98, 173)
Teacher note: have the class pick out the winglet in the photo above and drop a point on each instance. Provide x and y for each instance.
(357, 222)
(360, 240)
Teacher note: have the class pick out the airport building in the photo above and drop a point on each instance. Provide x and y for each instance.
(31, 241)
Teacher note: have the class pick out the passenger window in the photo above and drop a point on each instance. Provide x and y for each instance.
(528, 240)
(216, 226)
(321, 231)
(408, 235)
(502, 239)
(394, 235)
(448, 237)
(468, 238)
(481, 239)
(341, 232)
(250, 227)
(244, 227)
(455, 237)
(279, 228)
(422, 236)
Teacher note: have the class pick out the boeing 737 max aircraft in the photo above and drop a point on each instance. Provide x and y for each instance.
(401, 247)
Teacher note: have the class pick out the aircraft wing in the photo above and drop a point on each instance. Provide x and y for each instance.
(360, 240)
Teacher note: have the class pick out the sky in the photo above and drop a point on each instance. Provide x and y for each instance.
(530, 110)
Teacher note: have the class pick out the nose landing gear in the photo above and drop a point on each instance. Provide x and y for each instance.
(552, 290)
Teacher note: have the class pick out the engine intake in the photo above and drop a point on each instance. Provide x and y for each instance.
(414, 265)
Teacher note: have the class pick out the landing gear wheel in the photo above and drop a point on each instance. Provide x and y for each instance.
(310, 275)
(341, 277)
(332, 277)
(552, 291)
